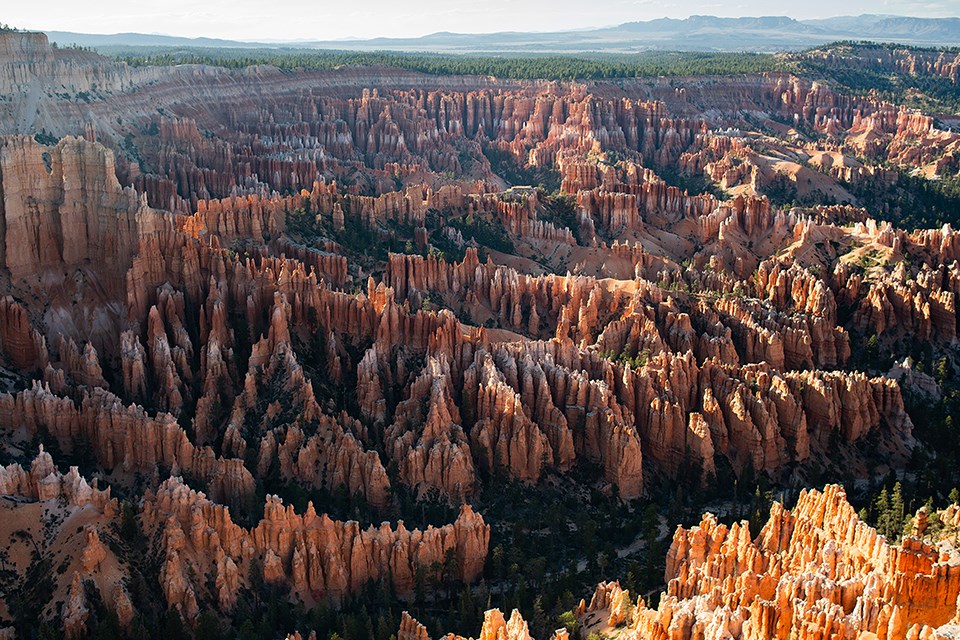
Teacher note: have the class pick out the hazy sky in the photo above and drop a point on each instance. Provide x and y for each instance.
(326, 19)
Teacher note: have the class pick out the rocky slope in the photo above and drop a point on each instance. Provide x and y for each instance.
(53, 517)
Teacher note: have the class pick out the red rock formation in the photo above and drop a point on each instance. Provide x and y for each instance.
(23, 346)
(410, 629)
(495, 627)
(43, 482)
(813, 572)
(314, 449)
(73, 183)
(427, 438)
(123, 438)
(321, 559)
(75, 610)
(84, 368)
(765, 427)
(672, 333)
(502, 431)
(550, 430)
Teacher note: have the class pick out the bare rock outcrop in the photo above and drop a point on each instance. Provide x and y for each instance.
(495, 627)
(815, 571)
(319, 558)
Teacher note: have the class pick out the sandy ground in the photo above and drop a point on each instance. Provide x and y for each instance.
(54, 531)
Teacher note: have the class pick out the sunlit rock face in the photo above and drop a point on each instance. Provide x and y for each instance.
(815, 570)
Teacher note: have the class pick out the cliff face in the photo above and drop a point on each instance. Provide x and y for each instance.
(123, 438)
(69, 233)
(940, 63)
(815, 571)
(73, 186)
(28, 64)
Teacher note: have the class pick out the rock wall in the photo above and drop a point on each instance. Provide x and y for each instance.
(28, 63)
(63, 207)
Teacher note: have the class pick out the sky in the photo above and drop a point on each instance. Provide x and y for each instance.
(285, 20)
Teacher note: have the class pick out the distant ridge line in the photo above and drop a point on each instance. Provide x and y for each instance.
(695, 33)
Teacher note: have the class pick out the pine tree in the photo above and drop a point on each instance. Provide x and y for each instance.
(466, 609)
(942, 370)
(539, 618)
(384, 628)
(128, 522)
(897, 513)
(882, 509)
(173, 628)
(209, 627)
(568, 619)
(247, 630)
(369, 625)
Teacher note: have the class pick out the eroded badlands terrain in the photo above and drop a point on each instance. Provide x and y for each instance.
(249, 315)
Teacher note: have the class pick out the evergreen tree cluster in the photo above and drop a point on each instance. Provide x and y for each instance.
(525, 67)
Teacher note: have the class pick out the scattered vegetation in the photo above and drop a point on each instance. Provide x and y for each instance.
(516, 174)
(532, 564)
(912, 202)
(45, 138)
(485, 232)
(694, 184)
(852, 66)
(561, 210)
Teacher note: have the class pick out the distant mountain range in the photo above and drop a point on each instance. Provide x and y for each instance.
(696, 33)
